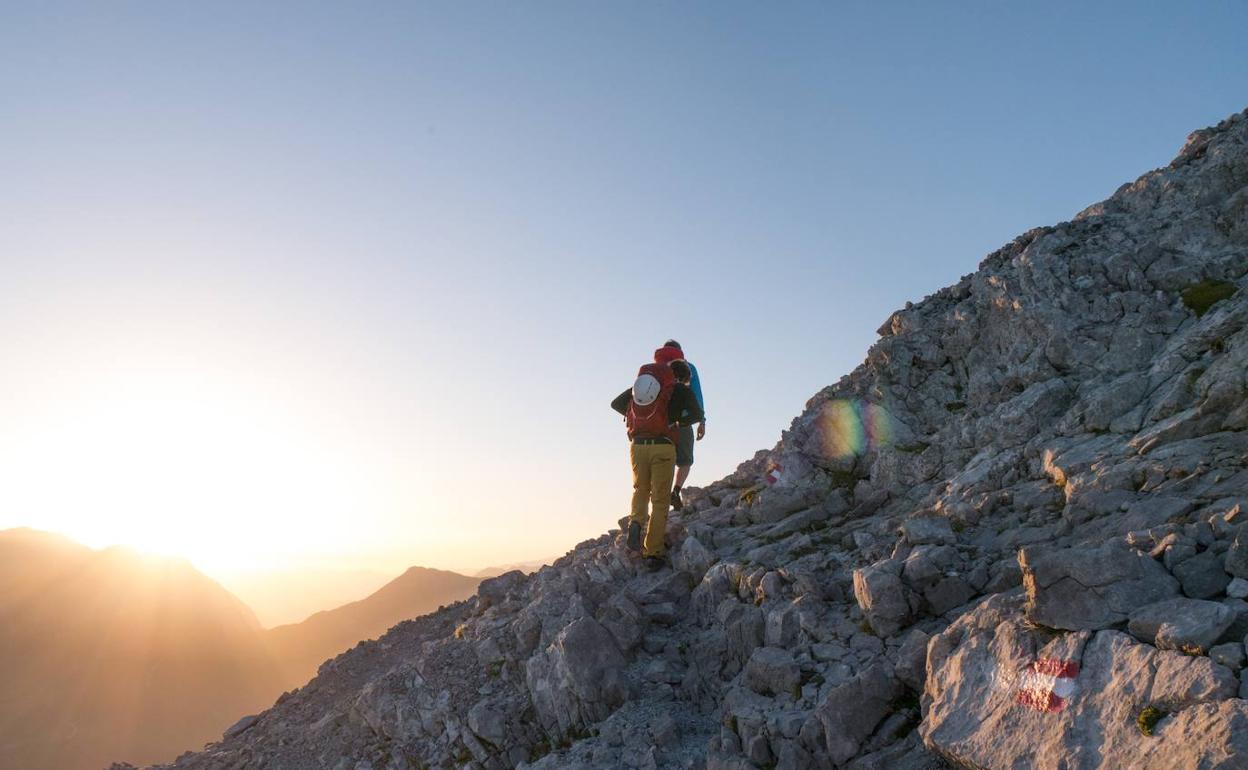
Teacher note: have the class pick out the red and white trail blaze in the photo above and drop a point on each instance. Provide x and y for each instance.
(1048, 684)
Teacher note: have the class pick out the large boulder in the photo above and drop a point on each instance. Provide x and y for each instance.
(1001, 694)
(850, 713)
(578, 679)
(1090, 588)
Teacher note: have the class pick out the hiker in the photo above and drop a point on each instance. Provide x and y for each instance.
(652, 410)
(670, 352)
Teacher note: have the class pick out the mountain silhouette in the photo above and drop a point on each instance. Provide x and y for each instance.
(112, 654)
(301, 647)
(100, 649)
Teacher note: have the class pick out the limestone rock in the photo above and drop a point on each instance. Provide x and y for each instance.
(772, 671)
(1237, 556)
(911, 668)
(1000, 695)
(1191, 625)
(884, 599)
(1090, 588)
(1202, 576)
(579, 679)
(850, 712)
(921, 530)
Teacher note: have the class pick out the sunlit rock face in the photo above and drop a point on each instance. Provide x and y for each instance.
(954, 554)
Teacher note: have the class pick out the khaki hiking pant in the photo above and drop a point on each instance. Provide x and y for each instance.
(654, 465)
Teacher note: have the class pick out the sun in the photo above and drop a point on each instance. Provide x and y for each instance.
(226, 477)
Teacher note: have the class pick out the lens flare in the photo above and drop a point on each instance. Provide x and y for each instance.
(849, 428)
(878, 424)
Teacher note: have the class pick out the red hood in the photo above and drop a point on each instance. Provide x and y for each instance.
(668, 354)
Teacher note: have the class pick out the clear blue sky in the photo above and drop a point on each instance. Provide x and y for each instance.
(407, 252)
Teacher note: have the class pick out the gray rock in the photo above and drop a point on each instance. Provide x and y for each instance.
(495, 590)
(850, 713)
(911, 668)
(1090, 588)
(1237, 588)
(948, 593)
(927, 564)
(489, 722)
(1190, 625)
(922, 530)
(1239, 626)
(772, 671)
(241, 726)
(782, 627)
(884, 599)
(1237, 556)
(578, 679)
(693, 557)
(984, 709)
(1230, 654)
(1202, 576)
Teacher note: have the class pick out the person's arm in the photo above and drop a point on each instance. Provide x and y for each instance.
(620, 402)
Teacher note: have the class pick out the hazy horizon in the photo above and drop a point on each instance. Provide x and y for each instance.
(303, 287)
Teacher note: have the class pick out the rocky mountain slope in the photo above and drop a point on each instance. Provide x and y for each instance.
(1011, 538)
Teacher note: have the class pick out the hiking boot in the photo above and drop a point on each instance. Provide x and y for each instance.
(634, 536)
(653, 563)
(677, 503)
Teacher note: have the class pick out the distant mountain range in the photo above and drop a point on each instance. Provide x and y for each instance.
(523, 566)
(300, 648)
(280, 596)
(110, 654)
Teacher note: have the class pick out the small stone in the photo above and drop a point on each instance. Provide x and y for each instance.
(922, 530)
(1237, 555)
(1230, 655)
(241, 726)
(1237, 588)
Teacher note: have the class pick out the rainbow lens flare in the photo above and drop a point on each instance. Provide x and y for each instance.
(849, 427)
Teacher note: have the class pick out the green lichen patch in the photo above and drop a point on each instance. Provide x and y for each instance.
(1148, 719)
(1201, 296)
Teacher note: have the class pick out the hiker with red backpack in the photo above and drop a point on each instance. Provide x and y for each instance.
(653, 410)
(670, 352)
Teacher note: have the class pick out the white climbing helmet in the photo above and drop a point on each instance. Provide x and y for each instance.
(646, 389)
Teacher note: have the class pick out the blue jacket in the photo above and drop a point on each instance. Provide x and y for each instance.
(696, 385)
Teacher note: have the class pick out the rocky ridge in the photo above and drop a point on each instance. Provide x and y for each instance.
(1012, 537)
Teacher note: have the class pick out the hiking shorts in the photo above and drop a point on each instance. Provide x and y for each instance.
(684, 446)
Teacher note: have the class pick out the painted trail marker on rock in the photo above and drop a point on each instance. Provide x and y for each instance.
(1048, 684)
(775, 473)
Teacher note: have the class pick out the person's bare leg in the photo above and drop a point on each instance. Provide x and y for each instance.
(682, 473)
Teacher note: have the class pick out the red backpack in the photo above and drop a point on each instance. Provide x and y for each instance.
(648, 419)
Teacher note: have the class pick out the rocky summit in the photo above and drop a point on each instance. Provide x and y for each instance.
(1012, 538)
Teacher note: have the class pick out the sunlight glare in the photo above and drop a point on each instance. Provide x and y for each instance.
(168, 466)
